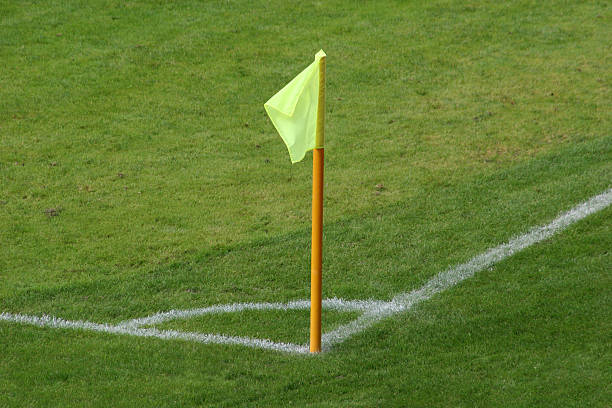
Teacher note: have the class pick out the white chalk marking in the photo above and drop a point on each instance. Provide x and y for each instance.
(451, 277)
(57, 323)
(330, 304)
(373, 310)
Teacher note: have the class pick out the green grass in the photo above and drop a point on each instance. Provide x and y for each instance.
(139, 173)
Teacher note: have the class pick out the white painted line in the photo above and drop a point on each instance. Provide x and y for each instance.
(57, 323)
(451, 277)
(330, 304)
(373, 310)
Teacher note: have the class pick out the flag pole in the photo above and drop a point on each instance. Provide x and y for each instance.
(317, 218)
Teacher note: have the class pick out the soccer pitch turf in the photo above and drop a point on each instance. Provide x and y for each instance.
(139, 174)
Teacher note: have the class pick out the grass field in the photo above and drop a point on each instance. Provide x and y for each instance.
(139, 173)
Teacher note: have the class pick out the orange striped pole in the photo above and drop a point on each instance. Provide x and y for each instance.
(317, 219)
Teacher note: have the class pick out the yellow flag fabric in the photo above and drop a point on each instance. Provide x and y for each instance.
(293, 111)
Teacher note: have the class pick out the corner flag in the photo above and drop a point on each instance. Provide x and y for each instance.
(298, 113)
